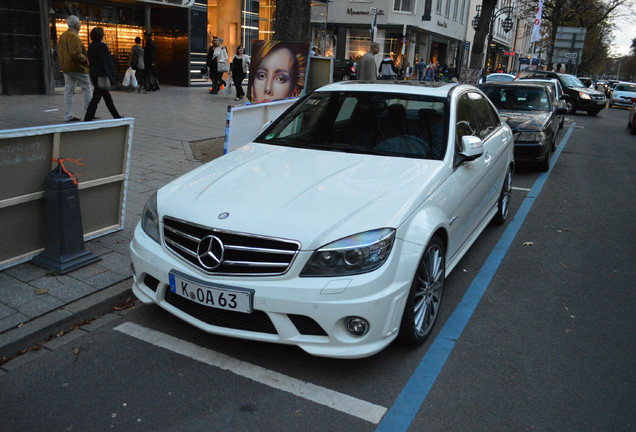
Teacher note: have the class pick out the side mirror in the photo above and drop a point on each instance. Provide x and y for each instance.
(472, 147)
(561, 110)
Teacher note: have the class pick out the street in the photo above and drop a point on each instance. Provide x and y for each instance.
(542, 338)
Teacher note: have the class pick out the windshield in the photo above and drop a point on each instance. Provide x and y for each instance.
(518, 98)
(388, 124)
(626, 87)
(571, 81)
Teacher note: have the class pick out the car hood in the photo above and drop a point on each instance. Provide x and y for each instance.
(587, 90)
(525, 120)
(310, 196)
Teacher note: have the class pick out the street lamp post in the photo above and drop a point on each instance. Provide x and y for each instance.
(507, 26)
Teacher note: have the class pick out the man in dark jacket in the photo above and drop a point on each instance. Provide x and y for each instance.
(74, 64)
(150, 61)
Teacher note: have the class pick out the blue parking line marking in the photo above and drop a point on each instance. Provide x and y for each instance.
(408, 403)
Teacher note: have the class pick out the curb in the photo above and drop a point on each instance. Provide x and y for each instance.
(37, 330)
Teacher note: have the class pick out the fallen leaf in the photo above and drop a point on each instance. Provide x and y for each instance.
(41, 291)
(76, 351)
(568, 331)
(529, 243)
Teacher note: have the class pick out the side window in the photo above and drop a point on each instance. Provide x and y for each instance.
(467, 123)
(488, 121)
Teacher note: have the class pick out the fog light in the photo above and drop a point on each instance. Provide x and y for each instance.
(357, 326)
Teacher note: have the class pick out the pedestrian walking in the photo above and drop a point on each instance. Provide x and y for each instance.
(217, 62)
(136, 62)
(74, 64)
(429, 75)
(408, 71)
(387, 68)
(102, 73)
(366, 66)
(421, 68)
(238, 69)
(150, 62)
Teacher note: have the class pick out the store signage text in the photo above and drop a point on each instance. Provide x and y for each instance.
(362, 12)
(442, 24)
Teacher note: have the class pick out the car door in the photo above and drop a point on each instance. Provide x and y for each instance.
(469, 176)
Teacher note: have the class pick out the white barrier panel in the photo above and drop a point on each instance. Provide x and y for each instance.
(244, 122)
(103, 147)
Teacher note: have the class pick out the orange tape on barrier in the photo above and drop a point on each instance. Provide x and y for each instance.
(70, 174)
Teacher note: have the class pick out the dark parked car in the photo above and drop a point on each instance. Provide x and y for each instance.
(577, 96)
(531, 111)
(344, 70)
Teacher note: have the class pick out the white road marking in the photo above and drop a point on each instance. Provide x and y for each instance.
(324, 396)
(521, 189)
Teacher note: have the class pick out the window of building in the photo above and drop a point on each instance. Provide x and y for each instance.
(462, 9)
(438, 8)
(403, 5)
(455, 8)
(448, 8)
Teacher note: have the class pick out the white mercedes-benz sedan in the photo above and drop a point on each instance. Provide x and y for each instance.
(335, 228)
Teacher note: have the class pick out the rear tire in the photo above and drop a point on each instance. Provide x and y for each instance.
(425, 297)
(503, 204)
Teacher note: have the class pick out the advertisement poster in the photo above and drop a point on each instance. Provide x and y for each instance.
(278, 70)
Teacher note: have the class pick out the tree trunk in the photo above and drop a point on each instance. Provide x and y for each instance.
(293, 21)
(481, 34)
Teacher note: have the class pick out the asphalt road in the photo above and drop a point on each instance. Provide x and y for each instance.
(549, 346)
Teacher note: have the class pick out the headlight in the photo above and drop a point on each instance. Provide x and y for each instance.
(359, 253)
(585, 96)
(530, 137)
(150, 218)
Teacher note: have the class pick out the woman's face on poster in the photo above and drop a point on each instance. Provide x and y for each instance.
(274, 78)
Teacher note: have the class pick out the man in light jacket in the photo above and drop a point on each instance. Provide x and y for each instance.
(366, 66)
(74, 64)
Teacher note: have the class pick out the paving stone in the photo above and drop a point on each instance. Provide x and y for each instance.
(105, 279)
(23, 359)
(65, 288)
(26, 272)
(87, 272)
(6, 311)
(118, 263)
(42, 304)
(12, 321)
(60, 341)
(15, 293)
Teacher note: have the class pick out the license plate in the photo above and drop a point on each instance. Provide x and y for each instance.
(234, 299)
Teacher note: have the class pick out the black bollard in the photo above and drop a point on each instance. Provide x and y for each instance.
(64, 249)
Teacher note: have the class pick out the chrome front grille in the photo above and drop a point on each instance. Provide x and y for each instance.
(600, 98)
(243, 254)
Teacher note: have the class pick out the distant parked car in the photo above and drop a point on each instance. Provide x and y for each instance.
(631, 122)
(578, 98)
(557, 90)
(344, 70)
(531, 111)
(622, 94)
(498, 77)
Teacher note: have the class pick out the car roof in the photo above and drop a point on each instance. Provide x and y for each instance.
(428, 88)
(516, 83)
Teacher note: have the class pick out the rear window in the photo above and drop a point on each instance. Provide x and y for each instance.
(626, 87)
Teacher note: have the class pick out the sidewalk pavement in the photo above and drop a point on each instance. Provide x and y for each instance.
(169, 125)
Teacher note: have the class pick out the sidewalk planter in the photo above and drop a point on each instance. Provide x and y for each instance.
(25, 161)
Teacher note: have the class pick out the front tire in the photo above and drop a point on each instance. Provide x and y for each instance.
(544, 165)
(503, 204)
(571, 106)
(425, 297)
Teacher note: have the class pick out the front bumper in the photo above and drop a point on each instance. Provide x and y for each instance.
(531, 152)
(378, 297)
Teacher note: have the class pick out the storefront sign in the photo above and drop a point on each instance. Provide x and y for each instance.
(442, 24)
(351, 11)
(178, 3)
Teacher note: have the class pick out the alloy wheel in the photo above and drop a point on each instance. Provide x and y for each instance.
(428, 292)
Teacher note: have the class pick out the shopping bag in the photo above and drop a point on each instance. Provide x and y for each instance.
(228, 89)
(126, 81)
(133, 81)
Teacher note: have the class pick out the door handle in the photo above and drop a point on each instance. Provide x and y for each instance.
(487, 159)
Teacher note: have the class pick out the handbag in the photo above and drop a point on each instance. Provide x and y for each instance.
(223, 67)
(103, 83)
